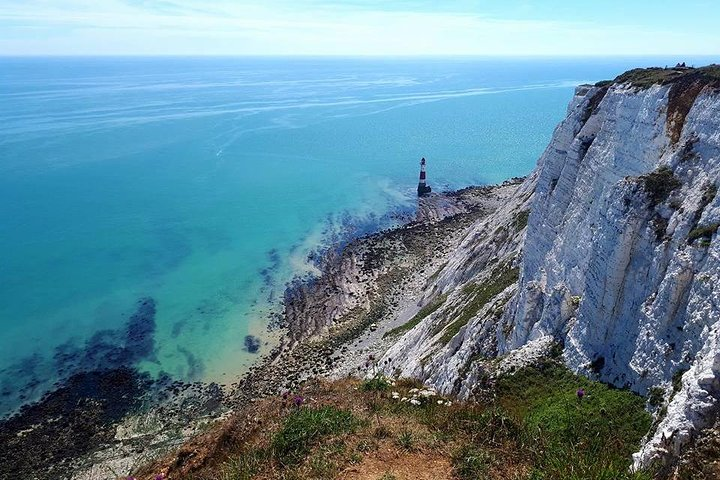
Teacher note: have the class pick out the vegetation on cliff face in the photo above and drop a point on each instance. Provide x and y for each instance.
(479, 295)
(521, 219)
(704, 233)
(428, 309)
(538, 427)
(660, 184)
(574, 421)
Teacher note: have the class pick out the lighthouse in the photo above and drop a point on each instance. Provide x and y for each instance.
(423, 188)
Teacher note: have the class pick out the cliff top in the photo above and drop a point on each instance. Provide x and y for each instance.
(686, 83)
(647, 77)
(383, 428)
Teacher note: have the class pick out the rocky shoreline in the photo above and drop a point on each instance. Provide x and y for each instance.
(339, 321)
(334, 323)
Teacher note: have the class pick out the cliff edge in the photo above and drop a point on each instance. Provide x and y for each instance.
(608, 249)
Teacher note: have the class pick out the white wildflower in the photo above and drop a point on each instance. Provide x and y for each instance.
(415, 401)
(404, 399)
(439, 402)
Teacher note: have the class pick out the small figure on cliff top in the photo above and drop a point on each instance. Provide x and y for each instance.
(423, 189)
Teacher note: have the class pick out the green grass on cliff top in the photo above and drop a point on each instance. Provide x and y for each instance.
(532, 427)
(647, 77)
(572, 438)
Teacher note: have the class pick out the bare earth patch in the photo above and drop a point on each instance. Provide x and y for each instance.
(402, 465)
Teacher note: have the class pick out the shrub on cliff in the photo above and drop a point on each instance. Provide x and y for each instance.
(704, 233)
(521, 219)
(659, 184)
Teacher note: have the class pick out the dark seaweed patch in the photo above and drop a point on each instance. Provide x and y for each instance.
(141, 327)
(105, 350)
(195, 366)
(71, 421)
(177, 328)
(252, 343)
(267, 272)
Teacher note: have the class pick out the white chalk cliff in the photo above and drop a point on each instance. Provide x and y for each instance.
(619, 260)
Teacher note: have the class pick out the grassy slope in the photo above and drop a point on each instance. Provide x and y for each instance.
(535, 429)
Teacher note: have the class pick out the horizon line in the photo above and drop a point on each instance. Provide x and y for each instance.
(355, 55)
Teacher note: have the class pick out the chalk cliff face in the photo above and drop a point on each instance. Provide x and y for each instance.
(619, 259)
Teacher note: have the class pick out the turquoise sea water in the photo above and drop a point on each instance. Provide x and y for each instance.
(204, 183)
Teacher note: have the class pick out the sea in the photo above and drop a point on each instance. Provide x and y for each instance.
(175, 197)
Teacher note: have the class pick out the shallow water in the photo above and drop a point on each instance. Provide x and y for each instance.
(204, 183)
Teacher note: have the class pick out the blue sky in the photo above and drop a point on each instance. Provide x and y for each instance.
(356, 27)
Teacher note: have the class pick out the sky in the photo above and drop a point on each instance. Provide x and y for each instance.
(359, 27)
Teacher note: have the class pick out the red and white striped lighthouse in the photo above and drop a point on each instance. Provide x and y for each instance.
(423, 188)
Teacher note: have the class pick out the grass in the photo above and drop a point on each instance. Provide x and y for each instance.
(647, 77)
(532, 427)
(660, 184)
(480, 295)
(538, 419)
(572, 438)
(378, 383)
(306, 426)
(471, 463)
(322, 467)
(419, 317)
(406, 440)
(245, 467)
(388, 476)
